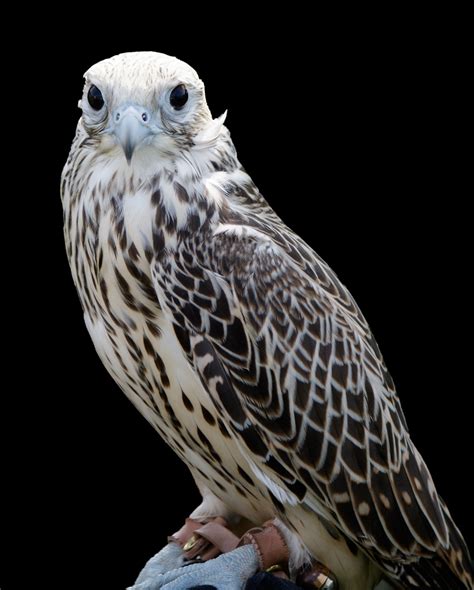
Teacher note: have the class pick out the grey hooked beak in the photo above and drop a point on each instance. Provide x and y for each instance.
(132, 126)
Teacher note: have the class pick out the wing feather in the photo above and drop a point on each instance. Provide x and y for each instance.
(288, 358)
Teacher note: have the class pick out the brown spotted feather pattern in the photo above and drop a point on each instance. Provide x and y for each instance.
(239, 344)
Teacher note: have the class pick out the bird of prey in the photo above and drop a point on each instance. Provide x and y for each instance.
(237, 342)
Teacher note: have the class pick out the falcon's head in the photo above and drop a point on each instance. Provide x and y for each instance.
(146, 101)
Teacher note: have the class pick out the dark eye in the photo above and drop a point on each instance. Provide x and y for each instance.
(95, 98)
(179, 97)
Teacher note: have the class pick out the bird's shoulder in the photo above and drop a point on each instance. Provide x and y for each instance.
(251, 247)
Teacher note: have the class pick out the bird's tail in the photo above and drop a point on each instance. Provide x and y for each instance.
(448, 569)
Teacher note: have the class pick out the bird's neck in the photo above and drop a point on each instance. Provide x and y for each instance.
(173, 195)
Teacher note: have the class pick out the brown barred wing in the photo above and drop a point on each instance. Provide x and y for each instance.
(287, 358)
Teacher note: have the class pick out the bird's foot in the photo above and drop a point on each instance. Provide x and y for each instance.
(196, 541)
(209, 556)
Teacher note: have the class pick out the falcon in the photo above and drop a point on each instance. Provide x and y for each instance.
(237, 342)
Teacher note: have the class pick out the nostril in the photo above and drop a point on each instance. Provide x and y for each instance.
(145, 117)
(117, 117)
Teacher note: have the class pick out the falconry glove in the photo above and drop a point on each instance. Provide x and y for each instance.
(171, 557)
(226, 572)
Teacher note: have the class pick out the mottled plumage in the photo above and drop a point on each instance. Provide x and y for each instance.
(237, 342)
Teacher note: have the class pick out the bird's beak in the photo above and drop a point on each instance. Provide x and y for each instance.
(131, 127)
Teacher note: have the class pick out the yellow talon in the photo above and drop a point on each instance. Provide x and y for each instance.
(190, 543)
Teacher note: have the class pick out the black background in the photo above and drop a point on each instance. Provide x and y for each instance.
(354, 130)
